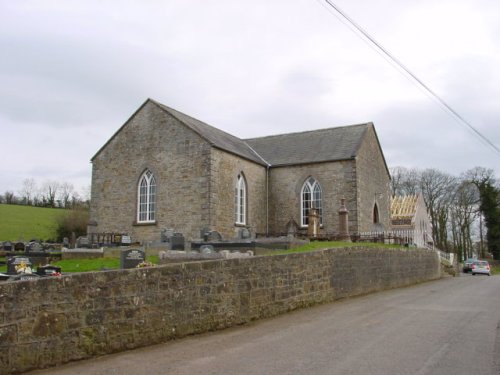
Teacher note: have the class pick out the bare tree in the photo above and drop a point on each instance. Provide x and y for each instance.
(437, 190)
(405, 181)
(66, 191)
(463, 212)
(28, 191)
(9, 197)
(49, 192)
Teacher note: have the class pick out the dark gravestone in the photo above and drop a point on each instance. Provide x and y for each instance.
(66, 242)
(177, 242)
(16, 262)
(48, 270)
(131, 258)
(7, 246)
(19, 246)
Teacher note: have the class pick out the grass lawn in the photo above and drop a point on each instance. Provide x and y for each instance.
(317, 245)
(88, 265)
(26, 222)
(98, 264)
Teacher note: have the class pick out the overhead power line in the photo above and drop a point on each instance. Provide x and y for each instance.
(393, 59)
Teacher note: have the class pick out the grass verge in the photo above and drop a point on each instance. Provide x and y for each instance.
(317, 245)
(89, 265)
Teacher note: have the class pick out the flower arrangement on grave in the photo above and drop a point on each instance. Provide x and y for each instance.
(23, 268)
(145, 264)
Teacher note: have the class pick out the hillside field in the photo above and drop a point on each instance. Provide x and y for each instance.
(26, 222)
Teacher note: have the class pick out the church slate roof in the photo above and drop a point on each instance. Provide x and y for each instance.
(216, 137)
(331, 144)
(314, 146)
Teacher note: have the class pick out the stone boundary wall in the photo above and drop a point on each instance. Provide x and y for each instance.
(55, 320)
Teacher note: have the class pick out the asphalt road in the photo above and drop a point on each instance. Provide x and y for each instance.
(450, 326)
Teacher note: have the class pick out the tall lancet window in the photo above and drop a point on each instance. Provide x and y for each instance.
(146, 198)
(240, 200)
(311, 197)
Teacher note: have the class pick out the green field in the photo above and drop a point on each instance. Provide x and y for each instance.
(26, 222)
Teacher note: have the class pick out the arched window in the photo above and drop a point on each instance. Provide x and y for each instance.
(240, 200)
(146, 198)
(311, 196)
(376, 218)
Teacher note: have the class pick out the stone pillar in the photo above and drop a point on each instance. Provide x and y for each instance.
(343, 222)
(313, 225)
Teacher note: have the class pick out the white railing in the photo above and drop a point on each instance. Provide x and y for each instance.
(448, 257)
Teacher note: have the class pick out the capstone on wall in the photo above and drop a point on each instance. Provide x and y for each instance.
(180, 161)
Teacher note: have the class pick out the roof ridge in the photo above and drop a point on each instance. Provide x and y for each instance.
(310, 131)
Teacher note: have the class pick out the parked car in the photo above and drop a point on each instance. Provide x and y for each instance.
(481, 266)
(468, 264)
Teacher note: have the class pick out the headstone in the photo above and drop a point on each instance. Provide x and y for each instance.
(206, 249)
(34, 247)
(313, 223)
(16, 264)
(214, 236)
(166, 234)
(73, 240)
(82, 242)
(292, 227)
(66, 242)
(126, 240)
(344, 222)
(48, 270)
(244, 234)
(19, 246)
(7, 246)
(130, 258)
(177, 242)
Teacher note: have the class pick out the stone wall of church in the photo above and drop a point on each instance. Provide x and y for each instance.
(180, 161)
(225, 170)
(373, 185)
(337, 181)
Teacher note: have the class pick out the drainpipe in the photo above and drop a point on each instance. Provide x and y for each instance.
(267, 200)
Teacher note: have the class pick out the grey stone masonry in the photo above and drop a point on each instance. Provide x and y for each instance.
(55, 320)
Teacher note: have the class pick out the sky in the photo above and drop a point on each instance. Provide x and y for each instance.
(73, 71)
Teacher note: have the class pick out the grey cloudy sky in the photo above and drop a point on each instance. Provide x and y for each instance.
(72, 72)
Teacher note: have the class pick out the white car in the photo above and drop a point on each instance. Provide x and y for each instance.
(481, 266)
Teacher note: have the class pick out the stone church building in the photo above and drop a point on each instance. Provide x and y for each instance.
(164, 169)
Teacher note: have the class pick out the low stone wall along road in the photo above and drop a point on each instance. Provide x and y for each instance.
(449, 326)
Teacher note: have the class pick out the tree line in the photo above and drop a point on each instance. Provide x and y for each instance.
(464, 210)
(49, 193)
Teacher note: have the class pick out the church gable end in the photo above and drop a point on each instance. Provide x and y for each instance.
(373, 184)
(151, 140)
